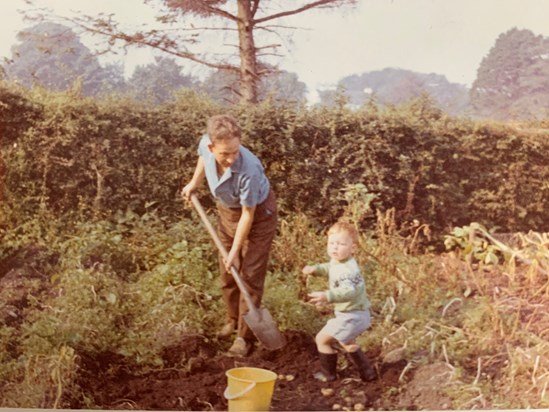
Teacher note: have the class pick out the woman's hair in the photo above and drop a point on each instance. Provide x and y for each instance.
(343, 226)
(223, 127)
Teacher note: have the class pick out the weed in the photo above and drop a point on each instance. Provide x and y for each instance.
(48, 381)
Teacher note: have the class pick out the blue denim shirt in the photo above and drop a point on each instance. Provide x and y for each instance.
(243, 184)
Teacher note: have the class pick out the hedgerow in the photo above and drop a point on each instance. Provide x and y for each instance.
(71, 154)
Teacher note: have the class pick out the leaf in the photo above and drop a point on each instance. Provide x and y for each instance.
(459, 232)
(491, 258)
(111, 298)
(164, 269)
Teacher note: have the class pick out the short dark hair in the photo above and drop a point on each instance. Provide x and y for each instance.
(223, 127)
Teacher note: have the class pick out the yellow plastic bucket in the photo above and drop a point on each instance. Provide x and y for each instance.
(249, 389)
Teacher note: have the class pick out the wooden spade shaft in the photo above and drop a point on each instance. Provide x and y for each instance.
(223, 251)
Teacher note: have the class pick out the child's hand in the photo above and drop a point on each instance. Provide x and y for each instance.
(307, 270)
(318, 298)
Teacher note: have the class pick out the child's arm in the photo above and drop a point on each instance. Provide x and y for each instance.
(308, 270)
(319, 269)
(317, 298)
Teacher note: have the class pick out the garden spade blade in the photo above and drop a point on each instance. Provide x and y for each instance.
(264, 328)
(259, 320)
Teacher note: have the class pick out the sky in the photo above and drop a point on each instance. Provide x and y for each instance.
(448, 37)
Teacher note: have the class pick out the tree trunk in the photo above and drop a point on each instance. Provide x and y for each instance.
(248, 61)
(2, 173)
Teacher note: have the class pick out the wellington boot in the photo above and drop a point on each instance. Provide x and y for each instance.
(328, 366)
(367, 373)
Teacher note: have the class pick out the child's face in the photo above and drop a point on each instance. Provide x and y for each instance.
(340, 246)
(225, 151)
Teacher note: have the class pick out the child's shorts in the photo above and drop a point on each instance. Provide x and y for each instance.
(346, 326)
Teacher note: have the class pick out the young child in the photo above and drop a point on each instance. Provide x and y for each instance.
(247, 212)
(347, 292)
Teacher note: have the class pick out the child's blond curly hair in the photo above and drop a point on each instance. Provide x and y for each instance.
(344, 226)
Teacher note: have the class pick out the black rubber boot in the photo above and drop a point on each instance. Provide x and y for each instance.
(367, 373)
(328, 366)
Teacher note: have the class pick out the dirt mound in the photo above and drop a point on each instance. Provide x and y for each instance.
(425, 391)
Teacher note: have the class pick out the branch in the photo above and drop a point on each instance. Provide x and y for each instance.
(163, 43)
(202, 7)
(260, 72)
(274, 46)
(255, 6)
(271, 27)
(220, 12)
(198, 29)
(312, 5)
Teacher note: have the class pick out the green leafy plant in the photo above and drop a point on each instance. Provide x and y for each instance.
(467, 240)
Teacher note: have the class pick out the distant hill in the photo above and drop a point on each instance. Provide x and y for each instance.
(395, 86)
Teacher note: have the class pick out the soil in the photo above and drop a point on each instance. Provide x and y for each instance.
(200, 385)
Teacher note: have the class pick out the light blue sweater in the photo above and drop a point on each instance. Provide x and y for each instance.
(347, 288)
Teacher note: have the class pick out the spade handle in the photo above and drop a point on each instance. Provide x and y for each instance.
(223, 251)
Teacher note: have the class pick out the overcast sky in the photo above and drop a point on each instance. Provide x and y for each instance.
(448, 37)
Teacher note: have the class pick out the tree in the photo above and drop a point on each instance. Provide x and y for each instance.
(157, 81)
(397, 86)
(225, 19)
(283, 86)
(112, 78)
(52, 56)
(513, 79)
(224, 87)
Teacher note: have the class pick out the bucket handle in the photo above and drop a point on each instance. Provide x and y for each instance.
(228, 396)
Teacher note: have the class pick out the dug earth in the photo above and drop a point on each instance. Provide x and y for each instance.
(201, 384)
